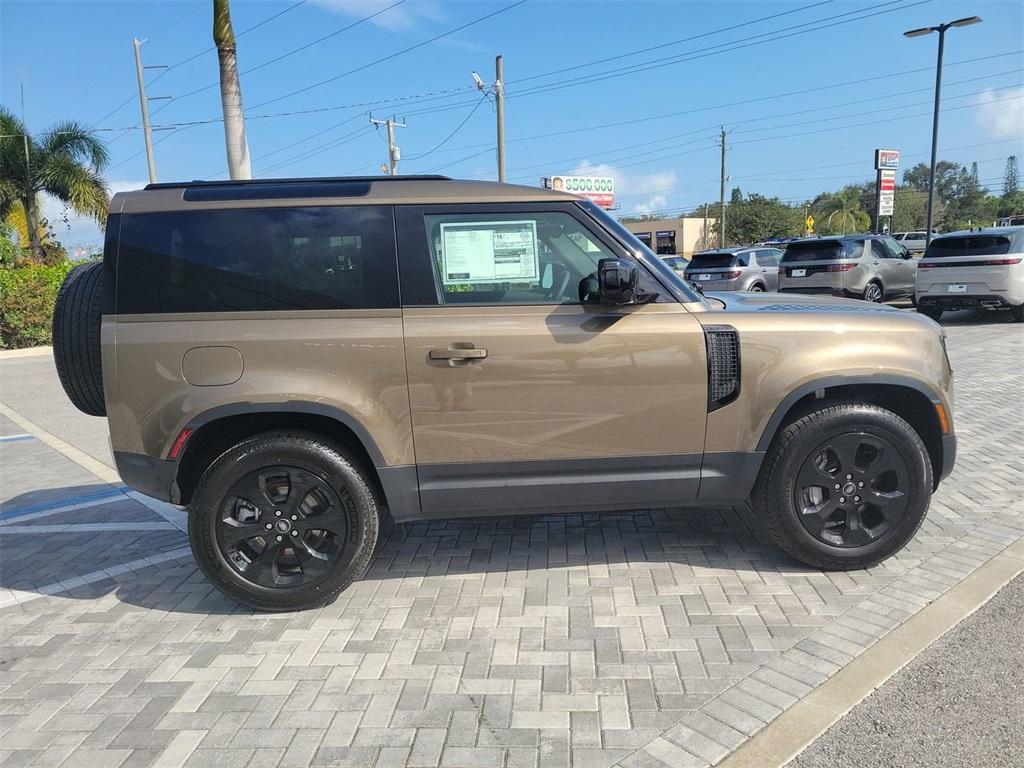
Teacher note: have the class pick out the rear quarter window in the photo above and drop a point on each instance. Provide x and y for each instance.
(257, 259)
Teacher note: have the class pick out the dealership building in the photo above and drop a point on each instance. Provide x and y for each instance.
(673, 237)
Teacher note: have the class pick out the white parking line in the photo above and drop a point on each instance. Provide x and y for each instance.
(86, 528)
(9, 597)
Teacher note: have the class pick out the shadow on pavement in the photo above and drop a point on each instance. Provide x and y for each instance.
(712, 539)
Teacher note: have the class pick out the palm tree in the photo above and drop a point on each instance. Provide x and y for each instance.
(64, 162)
(230, 92)
(845, 205)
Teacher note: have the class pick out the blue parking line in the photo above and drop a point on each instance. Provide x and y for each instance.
(18, 512)
(16, 438)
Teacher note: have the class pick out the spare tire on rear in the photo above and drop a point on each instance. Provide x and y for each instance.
(77, 316)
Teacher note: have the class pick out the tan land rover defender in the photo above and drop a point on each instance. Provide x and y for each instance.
(292, 360)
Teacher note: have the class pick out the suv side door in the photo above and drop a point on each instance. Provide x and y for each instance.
(768, 261)
(525, 393)
(901, 265)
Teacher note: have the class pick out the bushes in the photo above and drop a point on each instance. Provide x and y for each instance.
(27, 294)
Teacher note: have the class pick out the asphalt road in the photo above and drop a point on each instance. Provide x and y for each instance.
(960, 704)
(30, 386)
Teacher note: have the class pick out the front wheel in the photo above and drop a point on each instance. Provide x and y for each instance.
(844, 487)
(1017, 313)
(283, 522)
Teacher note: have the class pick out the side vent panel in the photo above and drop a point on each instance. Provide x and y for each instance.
(723, 343)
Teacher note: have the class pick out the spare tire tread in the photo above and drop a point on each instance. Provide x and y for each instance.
(77, 352)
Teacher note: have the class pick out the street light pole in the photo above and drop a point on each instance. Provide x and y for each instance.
(941, 29)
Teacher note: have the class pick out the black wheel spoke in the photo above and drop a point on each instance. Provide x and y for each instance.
(312, 562)
(234, 533)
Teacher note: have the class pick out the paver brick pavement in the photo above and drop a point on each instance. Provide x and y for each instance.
(646, 639)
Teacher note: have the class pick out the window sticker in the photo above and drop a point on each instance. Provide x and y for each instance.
(489, 252)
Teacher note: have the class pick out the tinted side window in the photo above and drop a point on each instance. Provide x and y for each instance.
(768, 258)
(258, 260)
(879, 250)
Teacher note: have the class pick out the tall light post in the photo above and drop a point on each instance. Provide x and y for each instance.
(941, 29)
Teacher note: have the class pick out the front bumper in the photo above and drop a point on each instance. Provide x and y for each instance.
(948, 457)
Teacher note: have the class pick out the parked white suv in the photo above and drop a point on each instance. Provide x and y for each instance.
(914, 242)
(975, 269)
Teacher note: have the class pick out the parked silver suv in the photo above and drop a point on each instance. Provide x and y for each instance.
(870, 267)
(735, 269)
(976, 269)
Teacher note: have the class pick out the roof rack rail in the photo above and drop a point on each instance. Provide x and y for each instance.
(300, 180)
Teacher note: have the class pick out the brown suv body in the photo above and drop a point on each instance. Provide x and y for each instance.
(476, 399)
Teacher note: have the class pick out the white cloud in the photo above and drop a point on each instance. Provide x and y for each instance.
(80, 236)
(405, 16)
(1001, 113)
(650, 187)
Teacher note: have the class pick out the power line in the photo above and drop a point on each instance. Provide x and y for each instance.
(390, 56)
(297, 50)
(728, 47)
(447, 138)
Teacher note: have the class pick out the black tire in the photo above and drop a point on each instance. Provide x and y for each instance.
(874, 292)
(933, 312)
(778, 499)
(1017, 313)
(757, 288)
(77, 315)
(343, 497)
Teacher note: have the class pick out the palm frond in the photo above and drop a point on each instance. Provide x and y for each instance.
(76, 141)
(79, 186)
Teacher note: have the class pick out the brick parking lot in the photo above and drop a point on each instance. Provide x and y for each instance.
(647, 639)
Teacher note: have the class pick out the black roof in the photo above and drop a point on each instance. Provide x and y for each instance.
(307, 180)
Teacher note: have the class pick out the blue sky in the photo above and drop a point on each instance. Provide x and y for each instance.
(805, 106)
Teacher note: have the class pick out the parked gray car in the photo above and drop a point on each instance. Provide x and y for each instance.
(735, 269)
(871, 267)
(912, 241)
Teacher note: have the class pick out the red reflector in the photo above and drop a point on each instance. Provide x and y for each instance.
(840, 267)
(987, 263)
(179, 443)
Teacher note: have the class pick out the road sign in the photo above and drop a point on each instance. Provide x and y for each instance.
(809, 224)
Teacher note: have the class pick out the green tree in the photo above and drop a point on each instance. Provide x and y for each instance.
(970, 205)
(841, 212)
(946, 174)
(1011, 178)
(64, 162)
(755, 218)
(909, 210)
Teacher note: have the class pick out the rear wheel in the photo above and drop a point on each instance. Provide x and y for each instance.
(933, 312)
(284, 522)
(845, 487)
(873, 292)
(757, 288)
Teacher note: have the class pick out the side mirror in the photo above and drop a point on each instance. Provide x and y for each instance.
(616, 281)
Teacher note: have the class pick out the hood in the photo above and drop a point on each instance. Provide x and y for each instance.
(739, 301)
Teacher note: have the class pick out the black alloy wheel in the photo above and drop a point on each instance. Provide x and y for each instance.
(283, 527)
(851, 490)
(284, 521)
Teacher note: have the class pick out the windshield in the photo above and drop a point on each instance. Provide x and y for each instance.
(822, 250)
(712, 260)
(680, 288)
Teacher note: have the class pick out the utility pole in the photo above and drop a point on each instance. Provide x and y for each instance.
(704, 232)
(721, 220)
(498, 89)
(499, 98)
(144, 106)
(394, 153)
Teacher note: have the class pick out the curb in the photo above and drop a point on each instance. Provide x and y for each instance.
(801, 725)
(26, 352)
